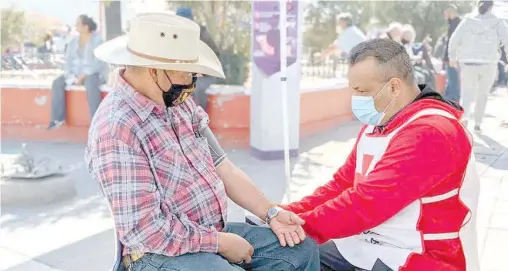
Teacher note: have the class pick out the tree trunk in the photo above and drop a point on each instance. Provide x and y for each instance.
(113, 19)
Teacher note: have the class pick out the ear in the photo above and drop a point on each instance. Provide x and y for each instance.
(396, 86)
(153, 73)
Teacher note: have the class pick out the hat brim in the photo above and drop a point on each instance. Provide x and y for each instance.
(115, 52)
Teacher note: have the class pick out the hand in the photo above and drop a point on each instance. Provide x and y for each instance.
(452, 63)
(506, 68)
(80, 80)
(287, 226)
(235, 248)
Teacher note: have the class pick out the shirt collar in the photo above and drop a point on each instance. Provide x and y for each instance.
(142, 105)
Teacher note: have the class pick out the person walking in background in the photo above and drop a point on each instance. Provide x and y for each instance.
(452, 89)
(46, 50)
(204, 81)
(349, 36)
(81, 68)
(474, 46)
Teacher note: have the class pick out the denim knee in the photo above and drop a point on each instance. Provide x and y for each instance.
(306, 258)
(310, 252)
(58, 83)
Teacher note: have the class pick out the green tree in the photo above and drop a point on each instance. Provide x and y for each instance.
(425, 16)
(229, 23)
(12, 27)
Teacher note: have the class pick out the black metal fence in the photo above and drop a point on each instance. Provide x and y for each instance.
(324, 69)
(313, 68)
(36, 61)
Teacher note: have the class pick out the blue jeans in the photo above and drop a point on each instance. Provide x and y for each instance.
(452, 90)
(92, 85)
(268, 255)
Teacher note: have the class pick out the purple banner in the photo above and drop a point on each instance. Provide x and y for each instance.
(266, 40)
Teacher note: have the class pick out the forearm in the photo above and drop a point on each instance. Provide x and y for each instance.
(320, 196)
(454, 43)
(242, 190)
(330, 50)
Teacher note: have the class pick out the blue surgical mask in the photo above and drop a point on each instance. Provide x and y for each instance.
(365, 110)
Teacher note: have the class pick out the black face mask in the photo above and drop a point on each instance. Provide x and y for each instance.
(177, 94)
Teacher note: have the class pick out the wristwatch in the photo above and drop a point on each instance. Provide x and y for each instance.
(272, 212)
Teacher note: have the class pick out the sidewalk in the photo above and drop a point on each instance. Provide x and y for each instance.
(77, 235)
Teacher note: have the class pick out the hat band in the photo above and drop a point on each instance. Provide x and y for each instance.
(160, 59)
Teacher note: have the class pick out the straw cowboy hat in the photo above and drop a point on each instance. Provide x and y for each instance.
(162, 41)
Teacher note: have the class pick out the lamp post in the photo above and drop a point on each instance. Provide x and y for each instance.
(284, 93)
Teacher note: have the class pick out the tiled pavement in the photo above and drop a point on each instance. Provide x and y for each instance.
(76, 235)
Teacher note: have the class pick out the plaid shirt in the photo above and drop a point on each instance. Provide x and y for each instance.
(157, 173)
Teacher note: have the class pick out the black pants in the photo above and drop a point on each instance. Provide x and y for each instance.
(332, 260)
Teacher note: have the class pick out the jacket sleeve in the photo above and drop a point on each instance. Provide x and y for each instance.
(502, 31)
(420, 157)
(456, 40)
(342, 180)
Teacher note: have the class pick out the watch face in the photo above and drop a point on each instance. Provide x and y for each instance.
(272, 212)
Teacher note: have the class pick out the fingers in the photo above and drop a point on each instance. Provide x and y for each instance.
(296, 238)
(250, 252)
(282, 239)
(289, 239)
(301, 233)
(296, 219)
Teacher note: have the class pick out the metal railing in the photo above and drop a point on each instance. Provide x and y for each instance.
(41, 65)
(324, 69)
(33, 61)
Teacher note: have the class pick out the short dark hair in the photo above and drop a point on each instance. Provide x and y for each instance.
(390, 56)
(484, 6)
(89, 22)
(346, 17)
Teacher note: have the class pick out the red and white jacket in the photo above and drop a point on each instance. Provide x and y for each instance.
(407, 194)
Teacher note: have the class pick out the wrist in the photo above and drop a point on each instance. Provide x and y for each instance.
(221, 242)
(272, 213)
(264, 213)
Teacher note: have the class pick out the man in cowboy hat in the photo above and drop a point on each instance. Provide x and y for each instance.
(162, 170)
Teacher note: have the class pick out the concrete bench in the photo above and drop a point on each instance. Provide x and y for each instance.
(322, 106)
(30, 104)
(26, 110)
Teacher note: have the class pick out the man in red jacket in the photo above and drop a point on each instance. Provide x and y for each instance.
(406, 197)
